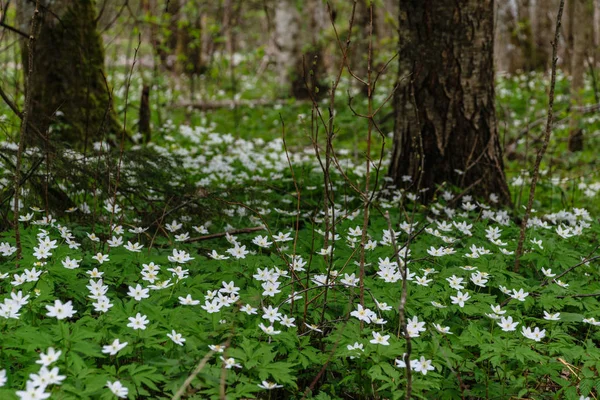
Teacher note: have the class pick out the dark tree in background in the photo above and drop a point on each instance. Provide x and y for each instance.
(444, 106)
(580, 34)
(299, 47)
(67, 87)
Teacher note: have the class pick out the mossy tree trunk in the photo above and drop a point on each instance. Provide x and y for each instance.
(581, 36)
(445, 127)
(68, 90)
(186, 28)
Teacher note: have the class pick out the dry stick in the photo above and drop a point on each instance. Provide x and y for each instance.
(401, 315)
(592, 108)
(370, 83)
(221, 234)
(542, 150)
(11, 104)
(579, 295)
(101, 131)
(19, 114)
(404, 270)
(222, 381)
(160, 221)
(328, 192)
(287, 155)
(586, 260)
(194, 373)
(122, 147)
(322, 370)
(13, 29)
(219, 104)
(367, 202)
(24, 124)
(24, 179)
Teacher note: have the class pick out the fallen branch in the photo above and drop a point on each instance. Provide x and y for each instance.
(511, 146)
(579, 295)
(221, 234)
(218, 104)
(584, 261)
(196, 371)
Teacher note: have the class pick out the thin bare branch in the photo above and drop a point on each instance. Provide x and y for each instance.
(542, 150)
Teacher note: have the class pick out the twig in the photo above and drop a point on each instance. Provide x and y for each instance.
(401, 315)
(11, 104)
(585, 261)
(123, 134)
(13, 29)
(24, 124)
(579, 295)
(221, 234)
(542, 150)
(546, 282)
(298, 197)
(194, 373)
(511, 146)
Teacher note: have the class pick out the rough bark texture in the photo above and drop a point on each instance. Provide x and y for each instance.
(446, 98)
(68, 90)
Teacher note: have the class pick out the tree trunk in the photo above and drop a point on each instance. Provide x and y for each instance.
(180, 47)
(445, 112)
(543, 26)
(179, 27)
(308, 77)
(596, 4)
(505, 52)
(287, 43)
(67, 89)
(300, 72)
(145, 114)
(385, 19)
(359, 50)
(579, 32)
(569, 37)
(524, 37)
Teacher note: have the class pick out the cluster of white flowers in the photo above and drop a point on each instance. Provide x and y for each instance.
(11, 307)
(451, 238)
(36, 385)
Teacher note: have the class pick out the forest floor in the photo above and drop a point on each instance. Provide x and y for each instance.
(198, 266)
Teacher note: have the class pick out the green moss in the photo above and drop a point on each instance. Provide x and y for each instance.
(68, 88)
